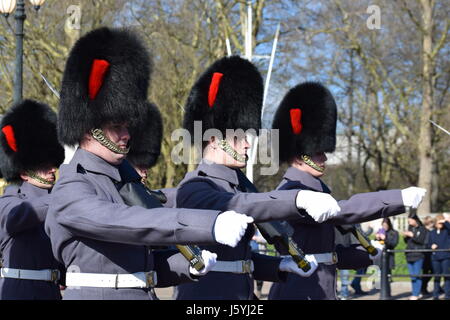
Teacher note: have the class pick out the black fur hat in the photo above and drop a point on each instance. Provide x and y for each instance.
(106, 79)
(306, 120)
(145, 146)
(228, 95)
(29, 139)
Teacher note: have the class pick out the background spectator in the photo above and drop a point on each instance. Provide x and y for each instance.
(415, 239)
(356, 282)
(440, 239)
(427, 268)
(388, 236)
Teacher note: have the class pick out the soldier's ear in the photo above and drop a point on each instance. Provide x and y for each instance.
(213, 142)
(24, 176)
(86, 139)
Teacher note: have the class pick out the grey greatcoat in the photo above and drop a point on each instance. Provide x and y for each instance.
(314, 238)
(215, 186)
(24, 243)
(93, 231)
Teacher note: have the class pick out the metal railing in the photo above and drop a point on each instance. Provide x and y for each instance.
(385, 275)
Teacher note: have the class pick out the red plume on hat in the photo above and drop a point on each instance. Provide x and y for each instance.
(106, 79)
(29, 139)
(306, 120)
(227, 95)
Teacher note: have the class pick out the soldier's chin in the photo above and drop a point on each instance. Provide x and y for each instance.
(245, 156)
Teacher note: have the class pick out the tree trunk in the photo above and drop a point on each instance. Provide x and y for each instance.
(425, 147)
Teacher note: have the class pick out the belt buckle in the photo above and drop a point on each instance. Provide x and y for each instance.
(246, 266)
(150, 278)
(54, 276)
(334, 258)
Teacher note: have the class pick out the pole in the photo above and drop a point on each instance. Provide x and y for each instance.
(269, 73)
(384, 275)
(248, 54)
(248, 47)
(18, 79)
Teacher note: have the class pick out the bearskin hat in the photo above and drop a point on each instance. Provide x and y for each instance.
(306, 120)
(145, 147)
(106, 79)
(228, 95)
(29, 139)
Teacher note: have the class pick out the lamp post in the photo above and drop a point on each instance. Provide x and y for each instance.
(6, 8)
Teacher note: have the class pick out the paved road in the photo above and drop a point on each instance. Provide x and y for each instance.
(400, 291)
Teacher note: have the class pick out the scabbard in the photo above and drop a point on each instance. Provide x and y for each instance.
(193, 255)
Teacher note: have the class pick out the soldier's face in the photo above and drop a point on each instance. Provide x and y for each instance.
(319, 159)
(239, 144)
(117, 133)
(46, 174)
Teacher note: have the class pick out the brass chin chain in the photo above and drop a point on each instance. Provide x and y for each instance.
(311, 163)
(225, 146)
(34, 176)
(100, 136)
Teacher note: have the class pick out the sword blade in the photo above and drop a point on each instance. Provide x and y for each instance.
(440, 127)
(50, 86)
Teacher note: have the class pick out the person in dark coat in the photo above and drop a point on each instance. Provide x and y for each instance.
(439, 238)
(104, 243)
(415, 239)
(427, 267)
(306, 119)
(30, 154)
(228, 96)
(389, 238)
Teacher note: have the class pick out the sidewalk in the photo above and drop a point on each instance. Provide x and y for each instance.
(400, 291)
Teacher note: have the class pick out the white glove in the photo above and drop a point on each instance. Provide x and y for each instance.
(413, 196)
(320, 206)
(209, 259)
(376, 258)
(230, 226)
(287, 264)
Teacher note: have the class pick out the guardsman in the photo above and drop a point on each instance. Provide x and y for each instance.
(306, 120)
(104, 243)
(146, 149)
(228, 95)
(30, 155)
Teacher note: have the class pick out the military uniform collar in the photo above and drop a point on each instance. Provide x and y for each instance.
(218, 171)
(305, 178)
(93, 163)
(32, 191)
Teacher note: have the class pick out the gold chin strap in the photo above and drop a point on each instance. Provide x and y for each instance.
(225, 146)
(100, 136)
(306, 159)
(38, 178)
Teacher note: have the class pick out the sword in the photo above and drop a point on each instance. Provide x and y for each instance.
(50, 85)
(440, 127)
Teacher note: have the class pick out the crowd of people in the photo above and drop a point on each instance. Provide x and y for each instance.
(429, 235)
